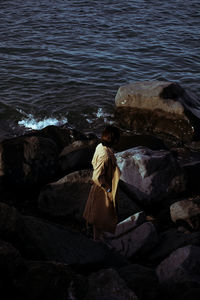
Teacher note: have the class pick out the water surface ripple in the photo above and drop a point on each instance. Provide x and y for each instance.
(66, 59)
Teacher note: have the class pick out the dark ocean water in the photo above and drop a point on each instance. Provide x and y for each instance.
(63, 61)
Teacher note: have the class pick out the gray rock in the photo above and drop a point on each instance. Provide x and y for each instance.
(126, 206)
(67, 196)
(77, 156)
(11, 222)
(180, 269)
(107, 285)
(150, 175)
(142, 280)
(28, 160)
(139, 240)
(46, 241)
(50, 280)
(158, 107)
(187, 210)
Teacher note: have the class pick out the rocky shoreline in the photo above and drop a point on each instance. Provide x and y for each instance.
(46, 250)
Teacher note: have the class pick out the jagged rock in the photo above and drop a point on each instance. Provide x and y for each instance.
(28, 160)
(107, 285)
(142, 280)
(170, 241)
(77, 156)
(139, 240)
(67, 196)
(50, 280)
(180, 271)
(150, 175)
(158, 107)
(187, 210)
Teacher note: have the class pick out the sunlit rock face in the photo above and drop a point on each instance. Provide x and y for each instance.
(150, 175)
(158, 107)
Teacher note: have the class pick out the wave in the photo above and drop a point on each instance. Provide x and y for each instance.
(33, 123)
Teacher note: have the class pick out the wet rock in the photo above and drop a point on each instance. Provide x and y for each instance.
(158, 107)
(151, 176)
(139, 240)
(107, 285)
(188, 211)
(28, 160)
(142, 280)
(50, 280)
(67, 196)
(62, 136)
(77, 156)
(180, 271)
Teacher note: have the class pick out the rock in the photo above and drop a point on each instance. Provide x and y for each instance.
(28, 160)
(107, 285)
(170, 241)
(67, 196)
(10, 262)
(142, 280)
(180, 271)
(11, 222)
(158, 107)
(150, 175)
(139, 240)
(126, 206)
(62, 136)
(129, 140)
(48, 242)
(77, 156)
(187, 210)
(50, 280)
(12, 226)
(190, 162)
(127, 225)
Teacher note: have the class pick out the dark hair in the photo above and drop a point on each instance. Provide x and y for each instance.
(110, 135)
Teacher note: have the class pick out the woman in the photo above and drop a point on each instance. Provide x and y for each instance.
(100, 209)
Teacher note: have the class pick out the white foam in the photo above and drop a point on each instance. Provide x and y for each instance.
(32, 123)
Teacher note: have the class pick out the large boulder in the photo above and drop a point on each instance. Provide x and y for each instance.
(28, 160)
(50, 242)
(50, 280)
(137, 240)
(170, 241)
(158, 107)
(107, 285)
(188, 211)
(67, 197)
(180, 271)
(142, 280)
(150, 175)
(77, 156)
